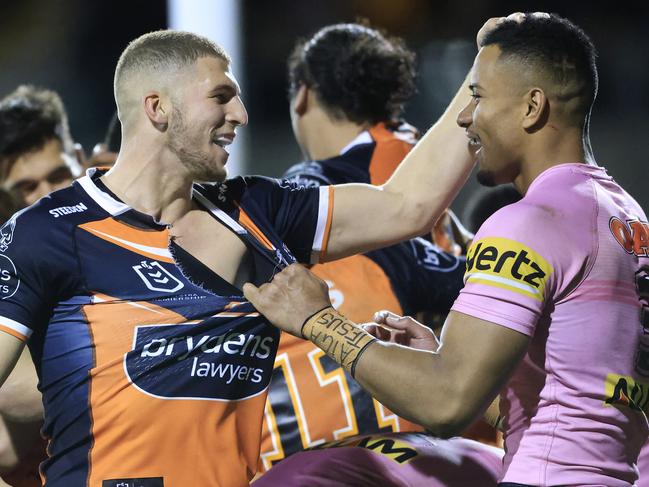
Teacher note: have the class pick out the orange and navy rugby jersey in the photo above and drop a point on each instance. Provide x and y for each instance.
(151, 376)
(312, 400)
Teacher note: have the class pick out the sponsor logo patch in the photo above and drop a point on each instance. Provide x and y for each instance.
(156, 277)
(632, 235)
(199, 361)
(507, 264)
(9, 281)
(622, 390)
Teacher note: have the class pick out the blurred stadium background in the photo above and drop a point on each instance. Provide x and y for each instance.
(72, 46)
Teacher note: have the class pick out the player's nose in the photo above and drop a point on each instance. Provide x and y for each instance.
(465, 117)
(237, 114)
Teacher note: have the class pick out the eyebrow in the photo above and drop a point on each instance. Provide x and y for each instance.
(475, 86)
(224, 87)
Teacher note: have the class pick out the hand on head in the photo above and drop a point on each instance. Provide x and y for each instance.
(493, 22)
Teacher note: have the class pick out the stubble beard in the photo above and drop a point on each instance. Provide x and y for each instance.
(184, 145)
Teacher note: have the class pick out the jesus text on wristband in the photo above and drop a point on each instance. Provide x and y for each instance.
(340, 338)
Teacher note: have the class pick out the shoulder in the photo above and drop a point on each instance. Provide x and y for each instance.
(312, 173)
(560, 206)
(50, 222)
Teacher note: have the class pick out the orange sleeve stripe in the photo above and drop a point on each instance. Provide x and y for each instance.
(249, 225)
(327, 231)
(14, 333)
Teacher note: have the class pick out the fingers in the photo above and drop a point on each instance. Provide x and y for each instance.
(381, 316)
(516, 17)
(377, 331)
(251, 292)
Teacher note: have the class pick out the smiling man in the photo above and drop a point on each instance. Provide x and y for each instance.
(554, 308)
(126, 285)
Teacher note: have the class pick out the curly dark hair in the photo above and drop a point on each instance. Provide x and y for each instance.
(553, 47)
(358, 72)
(30, 117)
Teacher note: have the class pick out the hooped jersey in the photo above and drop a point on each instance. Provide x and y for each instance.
(568, 266)
(312, 399)
(151, 376)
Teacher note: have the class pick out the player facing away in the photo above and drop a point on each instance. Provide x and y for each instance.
(126, 285)
(554, 307)
(349, 130)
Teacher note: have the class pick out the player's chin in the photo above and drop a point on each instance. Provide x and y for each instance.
(486, 178)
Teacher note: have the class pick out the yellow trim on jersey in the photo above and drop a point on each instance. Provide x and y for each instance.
(623, 390)
(508, 264)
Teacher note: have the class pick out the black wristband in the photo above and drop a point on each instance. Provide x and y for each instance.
(353, 369)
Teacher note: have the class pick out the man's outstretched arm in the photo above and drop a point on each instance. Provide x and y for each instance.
(366, 217)
(443, 390)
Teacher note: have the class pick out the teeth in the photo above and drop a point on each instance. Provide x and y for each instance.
(222, 141)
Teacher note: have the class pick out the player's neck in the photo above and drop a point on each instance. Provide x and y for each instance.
(326, 137)
(152, 182)
(544, 152)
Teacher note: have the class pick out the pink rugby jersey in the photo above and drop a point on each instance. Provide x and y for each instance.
(567, 265)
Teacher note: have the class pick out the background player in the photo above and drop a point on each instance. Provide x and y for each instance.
(37, 153)
(554, 288)
(37, 156)
(346, 119)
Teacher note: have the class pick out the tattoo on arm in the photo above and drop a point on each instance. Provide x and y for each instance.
(339, 337)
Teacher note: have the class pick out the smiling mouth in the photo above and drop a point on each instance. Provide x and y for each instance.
(222, 142)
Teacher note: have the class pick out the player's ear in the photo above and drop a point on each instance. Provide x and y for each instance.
(301, 100)
(537, 109)
(156, 110)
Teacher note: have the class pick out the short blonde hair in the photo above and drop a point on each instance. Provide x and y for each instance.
(158, 53)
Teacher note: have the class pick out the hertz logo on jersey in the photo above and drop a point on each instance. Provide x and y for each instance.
(507, 264)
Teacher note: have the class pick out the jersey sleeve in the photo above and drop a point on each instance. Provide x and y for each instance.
(424, 277)
(300, 215)
(25, 284)
(310, 174)
(516, 266)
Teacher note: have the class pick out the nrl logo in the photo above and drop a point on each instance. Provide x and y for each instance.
(156, 277)
(7, 234)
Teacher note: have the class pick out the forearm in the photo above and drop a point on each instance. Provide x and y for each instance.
(367, 217)
(413, 383)
(431, 175)
(416, 385)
